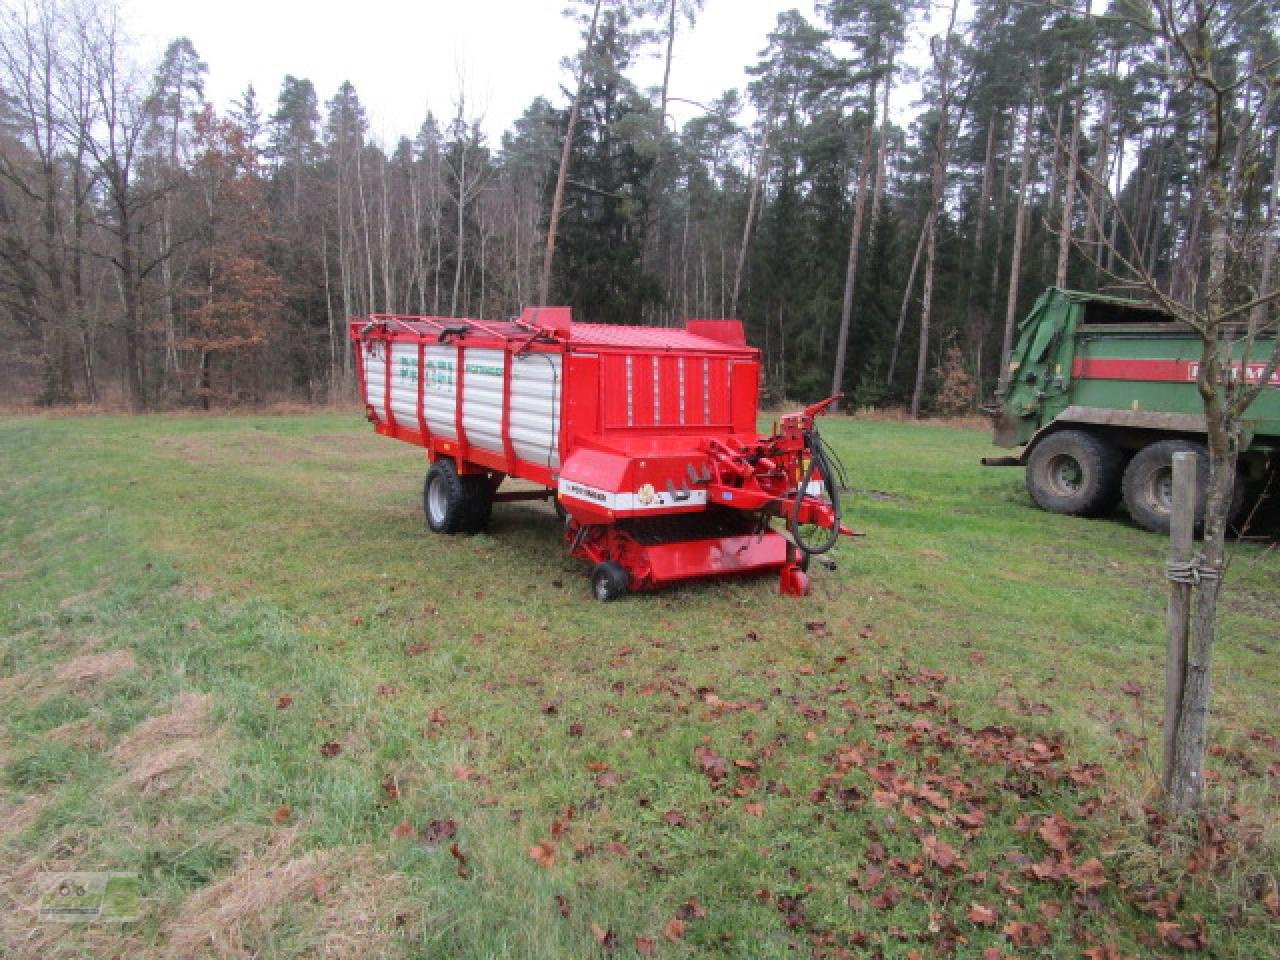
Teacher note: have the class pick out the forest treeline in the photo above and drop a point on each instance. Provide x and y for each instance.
(157, 251)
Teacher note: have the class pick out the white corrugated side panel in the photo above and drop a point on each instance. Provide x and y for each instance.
(404, 384)
(375, 376)
(439, 393)
(535, 408)
(482, 398)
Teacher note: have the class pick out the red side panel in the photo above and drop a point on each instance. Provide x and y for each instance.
(642, 377)
(721, 415)
(746, 389)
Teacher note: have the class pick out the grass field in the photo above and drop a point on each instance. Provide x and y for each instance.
(235, 663)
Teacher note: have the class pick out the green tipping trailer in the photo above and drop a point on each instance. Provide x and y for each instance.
(1101, 392)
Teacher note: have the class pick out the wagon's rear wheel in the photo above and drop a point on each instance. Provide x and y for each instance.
(455, 504)
(609, 581)
(1076, 473)
(1148, 485)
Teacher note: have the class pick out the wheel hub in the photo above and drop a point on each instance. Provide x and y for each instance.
(1065, 474)
(1162, 489)
(437, 502)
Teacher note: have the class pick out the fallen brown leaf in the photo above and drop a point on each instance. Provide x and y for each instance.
(544, 854)
(606, 938)
(981, 915)
(439, 831)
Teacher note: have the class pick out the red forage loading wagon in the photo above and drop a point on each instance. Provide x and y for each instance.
(645, 436)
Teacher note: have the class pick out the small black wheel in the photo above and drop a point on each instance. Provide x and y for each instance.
(454, 504)
(609, 581)
(1076, 473)
(1148, 485)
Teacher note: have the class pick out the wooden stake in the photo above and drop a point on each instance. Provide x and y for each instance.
(1178, 617)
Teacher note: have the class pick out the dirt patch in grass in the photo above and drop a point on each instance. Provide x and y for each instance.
(19, 818)
(93, 669)
(79, 733)
(177, 748)
(78, 599)
(341, 901)
(80, 675)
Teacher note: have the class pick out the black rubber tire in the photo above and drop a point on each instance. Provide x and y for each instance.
(454, 504)
(1075, 472)
(1148, 481)
(479, 497)
(443, 498)
(609, 581)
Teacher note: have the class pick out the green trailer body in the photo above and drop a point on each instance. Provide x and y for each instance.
(1102, 389)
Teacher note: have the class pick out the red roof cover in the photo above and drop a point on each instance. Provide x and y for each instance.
(705, 336)
(648, 338)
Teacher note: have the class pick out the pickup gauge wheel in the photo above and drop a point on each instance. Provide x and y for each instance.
(609, 581)
(1076, 473)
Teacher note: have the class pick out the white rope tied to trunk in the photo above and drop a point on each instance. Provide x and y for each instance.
(1193, 571)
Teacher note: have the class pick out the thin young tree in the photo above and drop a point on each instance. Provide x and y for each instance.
(1217, 61)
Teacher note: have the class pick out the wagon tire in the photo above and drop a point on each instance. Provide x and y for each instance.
(478, 492)
(1076, 473)
(1148, 485)
(609, 581)
(445, 501)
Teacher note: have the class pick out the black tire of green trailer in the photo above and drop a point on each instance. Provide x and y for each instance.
(1075, 472)
(455, 504)
(1148, 485)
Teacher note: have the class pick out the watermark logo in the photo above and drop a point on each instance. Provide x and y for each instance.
(81, 897)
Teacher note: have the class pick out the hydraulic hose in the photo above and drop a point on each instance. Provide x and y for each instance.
(832, 476)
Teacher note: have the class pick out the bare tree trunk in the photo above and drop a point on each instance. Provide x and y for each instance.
(659, 129)
(906, 299)
(1019, 230)
(1258, 314)
(328, 309)
(364, 228)
(938, 185)
(978, 335)
(1100, 159)
(544, 288)
(926, 310)
(1002, 209)
(882, 148)
(460, 229)
(1055, 150)
(1113, 227)
(756, 182)
(1069, 196)
(851, 265)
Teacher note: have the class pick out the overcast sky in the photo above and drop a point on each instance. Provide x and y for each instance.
(406, 57)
